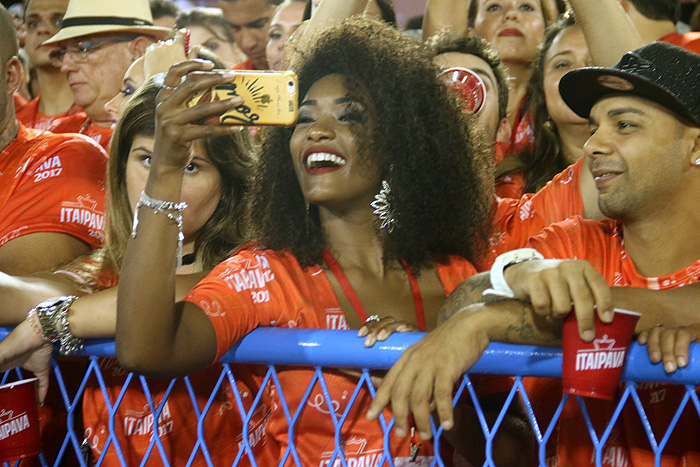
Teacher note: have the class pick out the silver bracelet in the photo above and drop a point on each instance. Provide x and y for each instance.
(172, 210)
(53, 318)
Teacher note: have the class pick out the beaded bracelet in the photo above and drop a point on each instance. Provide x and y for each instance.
(158, 206)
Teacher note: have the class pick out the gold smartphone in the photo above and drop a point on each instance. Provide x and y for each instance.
(269, 98)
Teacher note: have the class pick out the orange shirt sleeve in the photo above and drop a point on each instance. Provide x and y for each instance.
(516, 220)
(60, 189)
(559, 240)
(579, 238)
(250, 289)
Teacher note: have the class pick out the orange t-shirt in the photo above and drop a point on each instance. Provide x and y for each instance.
(78, 122)
(602, 244)
(31, 117)
(516, 220)
(268, 288)
(177, 422)
(52, 183)
(689, 41)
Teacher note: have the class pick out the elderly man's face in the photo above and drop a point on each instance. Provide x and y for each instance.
(96, 77)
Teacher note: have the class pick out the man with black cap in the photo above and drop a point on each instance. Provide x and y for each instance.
(98, 41)
(644, 150)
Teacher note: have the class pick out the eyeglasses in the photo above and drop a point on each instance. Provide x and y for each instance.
(467, 85)
(80, 51)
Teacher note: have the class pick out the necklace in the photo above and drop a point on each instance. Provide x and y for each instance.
(355, 301)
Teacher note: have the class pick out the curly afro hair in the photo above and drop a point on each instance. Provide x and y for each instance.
(439, 172)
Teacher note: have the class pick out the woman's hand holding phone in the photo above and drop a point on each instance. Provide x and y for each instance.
(177, 124)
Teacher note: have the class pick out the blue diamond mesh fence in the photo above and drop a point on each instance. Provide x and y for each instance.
(101, 415)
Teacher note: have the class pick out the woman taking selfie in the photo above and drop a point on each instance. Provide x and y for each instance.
(366, 213)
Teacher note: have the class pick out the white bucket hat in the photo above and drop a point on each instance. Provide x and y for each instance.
(86, 17)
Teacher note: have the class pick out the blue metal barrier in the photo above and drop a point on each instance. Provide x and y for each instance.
(319, 349)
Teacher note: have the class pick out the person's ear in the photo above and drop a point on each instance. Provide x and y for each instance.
(695, 150)
(504, 131)
(13, 74)
(138, 46)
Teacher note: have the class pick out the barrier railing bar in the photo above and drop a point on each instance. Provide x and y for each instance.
(326, 348)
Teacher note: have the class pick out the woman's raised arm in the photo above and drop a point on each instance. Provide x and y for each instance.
(441, 14)
(156, 336)
(608, 30)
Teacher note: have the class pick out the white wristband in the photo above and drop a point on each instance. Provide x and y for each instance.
(499, 286)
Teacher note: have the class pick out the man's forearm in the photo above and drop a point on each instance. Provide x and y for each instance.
(674, 307)
(512, 321)
(467, 293)
(508, 321)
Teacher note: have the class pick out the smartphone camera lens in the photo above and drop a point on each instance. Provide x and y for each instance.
(291, 86)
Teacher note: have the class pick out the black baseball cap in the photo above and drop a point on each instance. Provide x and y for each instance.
(661, 72)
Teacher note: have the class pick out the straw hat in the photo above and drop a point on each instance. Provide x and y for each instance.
(86, 17)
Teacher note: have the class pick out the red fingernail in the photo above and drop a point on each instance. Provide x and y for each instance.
(187, 42)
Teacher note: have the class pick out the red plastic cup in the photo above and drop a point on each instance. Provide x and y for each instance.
(20, 434)
(467, 85)
(593, 369)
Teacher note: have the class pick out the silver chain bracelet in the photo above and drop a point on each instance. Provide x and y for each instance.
(172, 210)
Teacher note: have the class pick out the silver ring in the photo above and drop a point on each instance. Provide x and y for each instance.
(169, 88)
(372, 318)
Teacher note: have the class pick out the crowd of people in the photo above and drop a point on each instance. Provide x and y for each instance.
(564, 178)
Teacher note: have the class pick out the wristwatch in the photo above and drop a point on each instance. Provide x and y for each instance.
(499, 285)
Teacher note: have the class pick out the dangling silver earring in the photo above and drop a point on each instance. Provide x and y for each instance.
(697, 162)
(382, 207)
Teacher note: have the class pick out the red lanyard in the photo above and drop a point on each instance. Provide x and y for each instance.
(355, 301)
